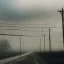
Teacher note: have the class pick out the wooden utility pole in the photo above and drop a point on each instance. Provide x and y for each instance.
(44, 43)
(40, 44)
(20, 46)
(62, 13)
(49, 40)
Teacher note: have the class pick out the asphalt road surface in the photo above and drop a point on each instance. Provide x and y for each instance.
(28, 59)
(5, 61)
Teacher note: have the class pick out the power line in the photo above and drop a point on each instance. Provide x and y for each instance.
(21, 24)
(31, 27)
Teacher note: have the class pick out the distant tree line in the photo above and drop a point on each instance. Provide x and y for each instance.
(4, 46)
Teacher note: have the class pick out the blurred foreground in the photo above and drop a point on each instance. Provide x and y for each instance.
(54, 57)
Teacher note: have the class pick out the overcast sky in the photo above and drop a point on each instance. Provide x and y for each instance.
(38, 3)
(23, 4)
(51, 17)
(49, 6)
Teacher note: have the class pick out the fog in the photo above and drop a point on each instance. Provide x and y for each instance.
(16, 15)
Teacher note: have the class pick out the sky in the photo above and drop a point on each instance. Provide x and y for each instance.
(23, 4)
(48, 8)
(19, 4)
(50, 17)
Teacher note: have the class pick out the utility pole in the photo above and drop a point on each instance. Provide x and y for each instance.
(44, 43)
(20, 46)
(23, 47)
(62, 13)
(40, 44)
(49, 40)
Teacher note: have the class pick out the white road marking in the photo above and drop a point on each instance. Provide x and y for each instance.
(13, 58)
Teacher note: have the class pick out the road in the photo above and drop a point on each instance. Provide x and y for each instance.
(4, 61)
(27, 58)
(30, 58)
